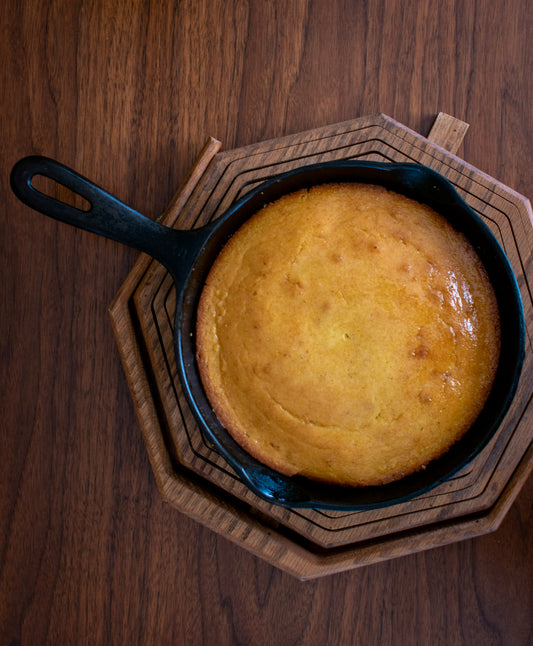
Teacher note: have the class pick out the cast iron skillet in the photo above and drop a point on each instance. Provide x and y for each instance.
(188, 256)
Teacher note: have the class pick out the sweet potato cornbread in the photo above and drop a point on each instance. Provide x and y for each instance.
(348, 334)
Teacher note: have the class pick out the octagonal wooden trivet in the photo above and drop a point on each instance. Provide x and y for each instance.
(197, 481)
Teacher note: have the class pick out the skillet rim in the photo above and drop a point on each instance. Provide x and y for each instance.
(297, 491)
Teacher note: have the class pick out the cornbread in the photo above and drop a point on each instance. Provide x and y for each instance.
(348, 334)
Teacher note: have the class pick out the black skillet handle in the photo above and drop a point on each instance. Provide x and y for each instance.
(106, 216)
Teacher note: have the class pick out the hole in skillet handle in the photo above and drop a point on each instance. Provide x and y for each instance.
(60, 192)
(424, 185)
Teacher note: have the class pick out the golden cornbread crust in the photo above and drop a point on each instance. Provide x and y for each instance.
(348, 334)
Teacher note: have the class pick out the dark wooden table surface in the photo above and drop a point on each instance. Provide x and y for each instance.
(127, 93)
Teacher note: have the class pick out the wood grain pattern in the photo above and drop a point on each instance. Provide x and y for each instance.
(448, 132)
(127, 94)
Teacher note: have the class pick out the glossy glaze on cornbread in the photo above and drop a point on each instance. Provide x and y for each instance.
(348, 334)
